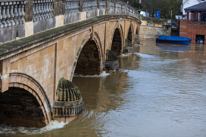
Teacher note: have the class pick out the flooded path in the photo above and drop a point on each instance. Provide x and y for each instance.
(159, 91)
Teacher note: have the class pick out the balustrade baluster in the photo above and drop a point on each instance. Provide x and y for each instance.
(42, 9)
(39, 10)
(22, 11)
(48, 9)
(4, 15)
(67, 7)
(20, 14)
(85, 5)
(34, 11)
(7, 15)
(94, 4)
(12, 13)
(52, 1)
(45, 9)
(16, 13)
(89, 6)
(1, 25)
(70, 8)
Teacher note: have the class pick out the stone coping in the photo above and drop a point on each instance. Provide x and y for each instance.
(15, 47)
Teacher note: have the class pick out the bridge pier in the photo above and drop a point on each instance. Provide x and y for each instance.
(69, 101)
(111, 63)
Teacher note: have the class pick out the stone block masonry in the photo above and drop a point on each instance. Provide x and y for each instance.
(32, 67)
(152, 28)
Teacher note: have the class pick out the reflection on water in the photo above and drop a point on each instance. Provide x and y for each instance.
(159, 91)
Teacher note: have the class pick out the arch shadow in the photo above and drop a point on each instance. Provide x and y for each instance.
(118, 40)
(25, 83)
(89, 58)
(130, 33)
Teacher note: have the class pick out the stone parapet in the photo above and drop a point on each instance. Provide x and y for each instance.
(14, 47)
(41, 15)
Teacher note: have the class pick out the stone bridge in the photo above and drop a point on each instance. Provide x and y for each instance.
(45, 42)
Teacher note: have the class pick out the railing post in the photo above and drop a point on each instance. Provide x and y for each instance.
(125, 8)
(59, 7)
(80, 5)
(107, 4)
(97, 4)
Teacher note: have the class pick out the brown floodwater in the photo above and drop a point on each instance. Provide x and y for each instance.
(159, 91)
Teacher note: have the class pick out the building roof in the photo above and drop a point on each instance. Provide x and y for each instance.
(198, 7)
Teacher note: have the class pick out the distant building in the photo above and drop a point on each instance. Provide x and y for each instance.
(196, 12)
(195, 25)
(189, 3)
(145, 14)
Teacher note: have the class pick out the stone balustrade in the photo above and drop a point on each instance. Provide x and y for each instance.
(42, 9)
(20, 18)
(11, 13)
(102, 4)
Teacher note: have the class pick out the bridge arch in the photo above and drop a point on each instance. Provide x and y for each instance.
(89, 59)
(137, 30)
(32, 97)
(130, 33)
(118, 40)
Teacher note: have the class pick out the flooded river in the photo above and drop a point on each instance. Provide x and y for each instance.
(159, 91)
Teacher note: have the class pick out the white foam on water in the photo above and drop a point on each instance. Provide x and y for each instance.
(53, 125)
(145, 55)
(203, 61)
(103, 74)
(10, 130)
(124, 55)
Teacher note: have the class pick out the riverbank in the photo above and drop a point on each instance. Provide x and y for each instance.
(152, 28)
